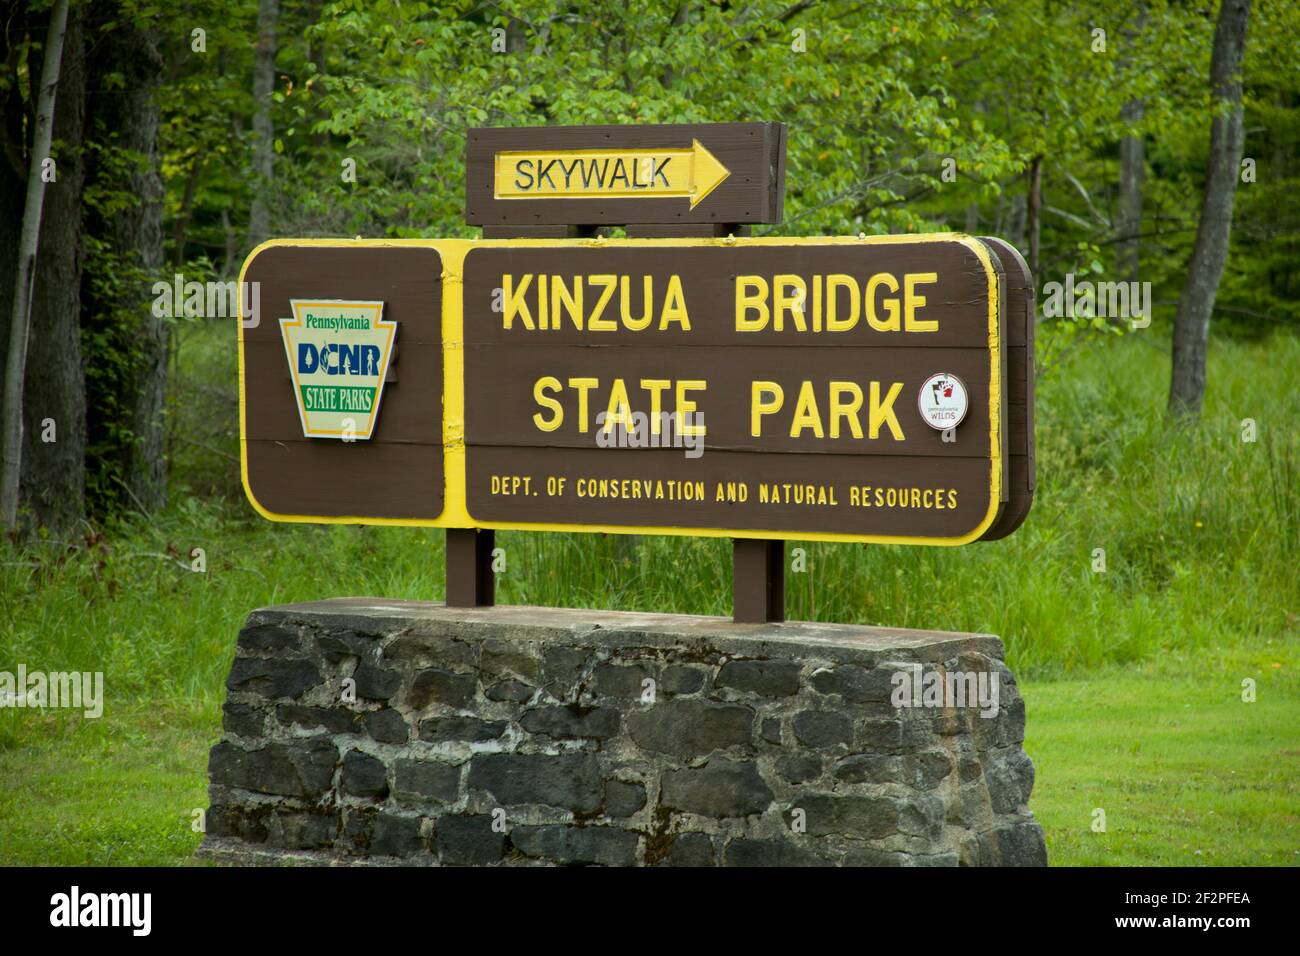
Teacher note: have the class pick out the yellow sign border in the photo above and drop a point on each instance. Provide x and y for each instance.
(455, 513)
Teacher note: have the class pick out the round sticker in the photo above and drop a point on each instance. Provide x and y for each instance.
(943, 401)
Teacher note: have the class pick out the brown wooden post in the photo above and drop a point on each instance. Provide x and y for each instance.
(470, 581)
(758, 581)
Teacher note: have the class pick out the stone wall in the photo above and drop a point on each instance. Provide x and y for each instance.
(390, 731)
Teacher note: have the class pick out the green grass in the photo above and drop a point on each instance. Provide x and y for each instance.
(1186, 772)
(1132, 675)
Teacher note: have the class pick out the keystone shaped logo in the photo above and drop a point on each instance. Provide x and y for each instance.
(338, 352)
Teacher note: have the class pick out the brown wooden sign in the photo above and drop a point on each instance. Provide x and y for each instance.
(599, 175)
(341, 381)
(835, 389)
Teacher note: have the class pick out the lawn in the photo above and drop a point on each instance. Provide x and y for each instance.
(1132, 674)
(1186, 772)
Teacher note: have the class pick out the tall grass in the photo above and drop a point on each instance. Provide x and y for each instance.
(1199, 529)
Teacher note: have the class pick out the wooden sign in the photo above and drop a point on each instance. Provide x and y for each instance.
(341, 377)
(728, 173)
(794, 388)
(874, 390)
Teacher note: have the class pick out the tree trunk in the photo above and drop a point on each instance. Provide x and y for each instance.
(28, 293)
(1132, 160)
(1223, 166)
(125, 399)
(1016, 220)
(1131, 163)
(259, 217)
(1035, 210)
(13, 182)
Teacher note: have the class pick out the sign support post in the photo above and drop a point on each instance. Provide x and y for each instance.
(758, 581)
(469, 577)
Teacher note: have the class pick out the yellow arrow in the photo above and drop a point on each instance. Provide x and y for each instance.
(612, 173)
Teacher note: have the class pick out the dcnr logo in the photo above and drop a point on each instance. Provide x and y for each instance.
(339, 359)
(338, 353)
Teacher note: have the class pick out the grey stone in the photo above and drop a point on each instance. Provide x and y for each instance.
(765, 678)
(687, 728)
(267, 639)
(1010, 778)
(508, 660)
(855, 684)
(515, 691)
(563, 667)
(797, 728)
(374, 682)
(870, 768)
(799, 767)
(681, 679)
(333, 720)
(357, 825)
(926, 769)
(468, 840)
(387, 726)
(893, 736)
(619, 680)
(721, 788)
(770, 730)
(417, 779)
(978, 849)
(395, 835)
(338, 646)
(922, 815)
(363, 776)
(566, 781)
(623, 799)
(855, 817)
(243, 720)
(430, 649)
(305, 829)
(822, 728)
(246, 824)
(605, 846)
(470, 729)
(272, 677)
(689, 849)
(303, 769)
(1014, 727)
(1021, 844)
(950, 725)
(746, 852)
(571, 721)
(437, 686)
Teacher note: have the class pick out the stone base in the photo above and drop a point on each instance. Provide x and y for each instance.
(365, 730)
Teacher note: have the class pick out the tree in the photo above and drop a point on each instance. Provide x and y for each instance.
(268, 12)
(1223, 166)
(11, 418)
(126, 381)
